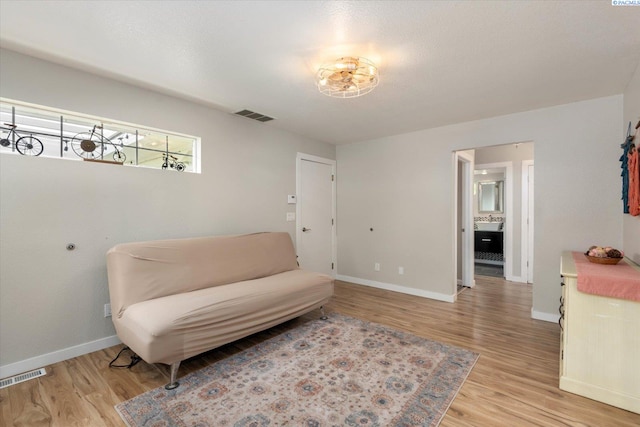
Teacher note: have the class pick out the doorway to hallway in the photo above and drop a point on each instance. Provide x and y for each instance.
(513, 217)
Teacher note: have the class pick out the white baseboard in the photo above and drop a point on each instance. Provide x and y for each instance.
(488, 262)
(57, 356)
(601, 394)
(398, 288)
(538, 315)
(517, 279)
(547, 317)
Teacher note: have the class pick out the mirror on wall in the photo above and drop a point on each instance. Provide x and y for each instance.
(491, 197)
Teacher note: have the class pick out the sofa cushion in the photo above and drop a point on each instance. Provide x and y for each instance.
(173, 328)
(144, 271)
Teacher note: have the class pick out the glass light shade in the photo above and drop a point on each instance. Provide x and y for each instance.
(347, 77)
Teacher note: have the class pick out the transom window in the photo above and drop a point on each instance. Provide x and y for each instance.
(32, 130)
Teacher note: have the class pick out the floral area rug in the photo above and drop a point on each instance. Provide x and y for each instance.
(335, 372)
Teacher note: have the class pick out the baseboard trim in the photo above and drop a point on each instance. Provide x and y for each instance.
(488, 262)
(57, 356)
(601, 394)
(397, 288)
(516, 279)
(547, 317)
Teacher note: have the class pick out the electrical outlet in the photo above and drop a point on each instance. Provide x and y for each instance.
(400, 270)
(376, 266)
(107, 310)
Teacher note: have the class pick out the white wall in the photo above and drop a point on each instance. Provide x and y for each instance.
(402, 187)
(51, 299)
(631, 224)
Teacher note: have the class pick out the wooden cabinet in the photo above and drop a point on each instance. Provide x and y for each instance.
(488, 241)
(600, 344)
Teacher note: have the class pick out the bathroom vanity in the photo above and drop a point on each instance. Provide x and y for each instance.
(488, 230)
(489, 241)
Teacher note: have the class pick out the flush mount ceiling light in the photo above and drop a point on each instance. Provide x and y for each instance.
(347, 77)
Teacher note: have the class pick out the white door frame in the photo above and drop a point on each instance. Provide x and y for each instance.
(311, 158)
(526, 262)
(508, 213)
(467, 219)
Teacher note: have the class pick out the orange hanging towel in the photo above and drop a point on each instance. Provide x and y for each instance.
(634, 182)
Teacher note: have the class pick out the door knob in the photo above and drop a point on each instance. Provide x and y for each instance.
(305, 229)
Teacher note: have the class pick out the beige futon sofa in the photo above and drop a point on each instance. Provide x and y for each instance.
(174, 299)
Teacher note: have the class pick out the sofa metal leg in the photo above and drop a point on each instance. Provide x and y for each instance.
(324, 316)
(173, 383)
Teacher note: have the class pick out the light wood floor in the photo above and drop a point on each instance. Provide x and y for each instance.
(514, 383)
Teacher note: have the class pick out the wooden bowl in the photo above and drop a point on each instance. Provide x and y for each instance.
(606, 260)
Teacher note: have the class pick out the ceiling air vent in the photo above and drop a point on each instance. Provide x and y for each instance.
(253, 115)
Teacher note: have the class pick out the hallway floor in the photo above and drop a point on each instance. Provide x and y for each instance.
(489, 270)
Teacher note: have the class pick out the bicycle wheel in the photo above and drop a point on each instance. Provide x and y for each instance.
(119, 156)
(87, 145)
(180, 166)
(5, 141)
(29, 146)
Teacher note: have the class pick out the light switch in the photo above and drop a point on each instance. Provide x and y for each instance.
(291, 199)
(291, 216)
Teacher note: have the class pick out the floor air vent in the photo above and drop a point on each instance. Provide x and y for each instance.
(22, 378)
(253, 115)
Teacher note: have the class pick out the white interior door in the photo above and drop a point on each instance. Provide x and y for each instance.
(530, 227)
(527, 221)
(464, 212)
(467, 224)
(315, 234)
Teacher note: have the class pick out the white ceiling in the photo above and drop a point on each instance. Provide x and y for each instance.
(440, 62)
